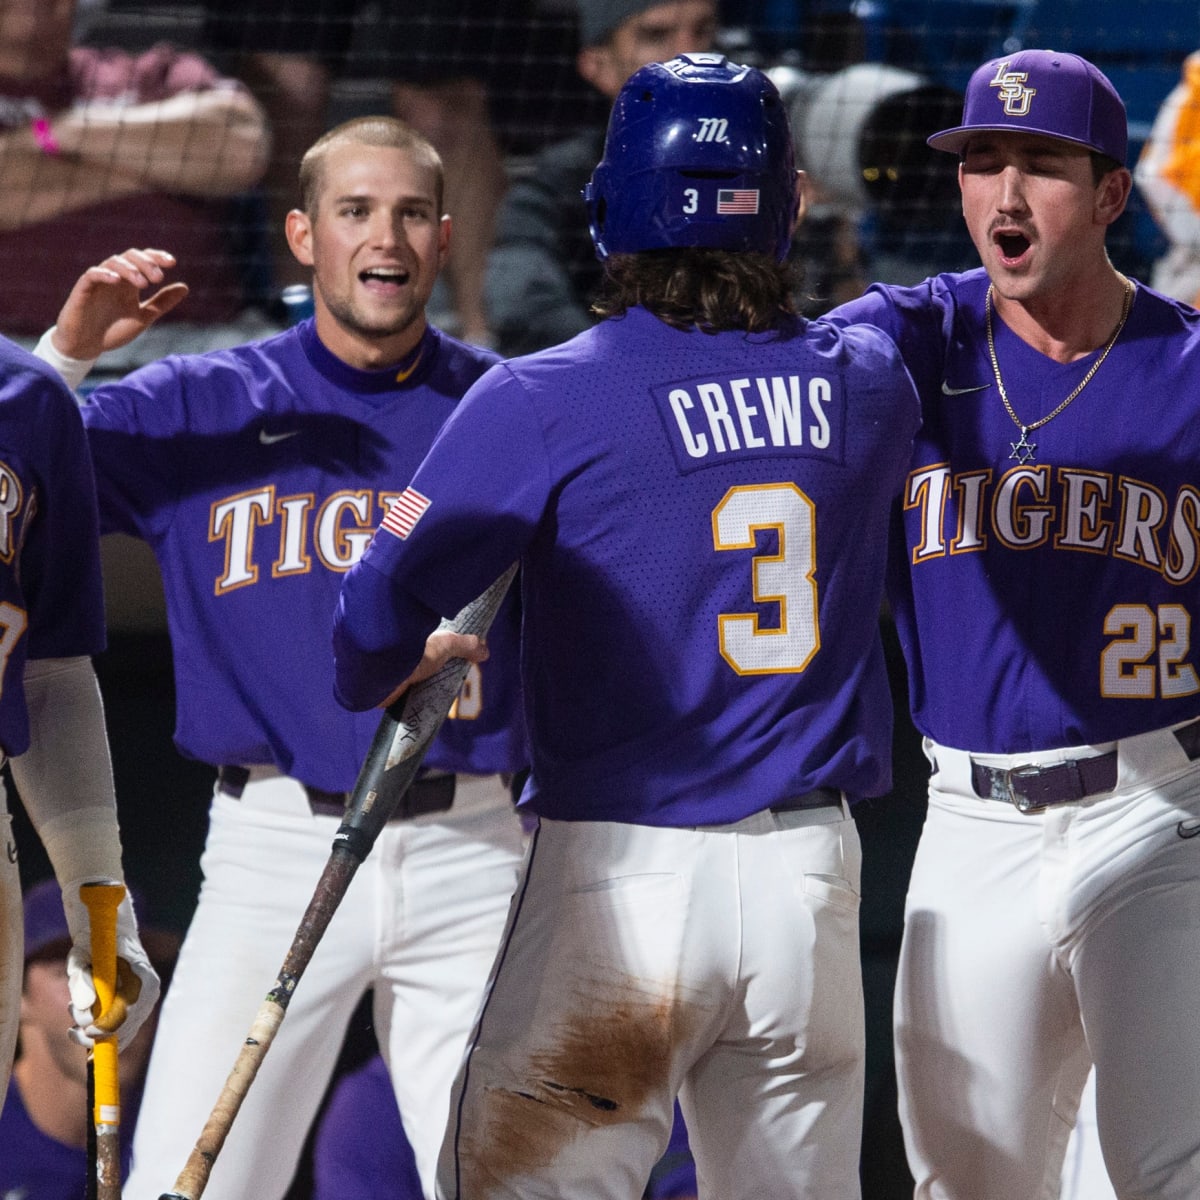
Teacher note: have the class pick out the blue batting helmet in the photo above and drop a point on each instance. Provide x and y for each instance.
(698, 153)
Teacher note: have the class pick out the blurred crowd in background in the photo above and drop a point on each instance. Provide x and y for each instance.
(180, 125)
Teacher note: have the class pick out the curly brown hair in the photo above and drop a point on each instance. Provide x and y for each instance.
(699, 288)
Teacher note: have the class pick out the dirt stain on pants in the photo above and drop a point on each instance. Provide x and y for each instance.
(597, 1070)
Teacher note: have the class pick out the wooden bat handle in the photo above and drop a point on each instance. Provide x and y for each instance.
(193, 1179)
(102, 901)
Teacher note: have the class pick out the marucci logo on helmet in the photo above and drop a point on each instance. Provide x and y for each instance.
(713, 129)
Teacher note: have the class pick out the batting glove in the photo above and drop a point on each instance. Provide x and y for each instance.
(137, 982)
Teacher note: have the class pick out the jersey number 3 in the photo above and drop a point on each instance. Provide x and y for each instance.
(786, 578)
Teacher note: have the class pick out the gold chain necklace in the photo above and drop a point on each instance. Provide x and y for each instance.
(1023, 450)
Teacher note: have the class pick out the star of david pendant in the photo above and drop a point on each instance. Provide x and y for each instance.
(1023, 450)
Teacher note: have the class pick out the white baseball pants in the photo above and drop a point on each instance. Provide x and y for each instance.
(1034, 945)
(1084, 1175)
(419, 923)
(719, 963)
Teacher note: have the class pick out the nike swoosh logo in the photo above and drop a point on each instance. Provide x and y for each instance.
(1188, 829)
(947, 390)
(269, 439)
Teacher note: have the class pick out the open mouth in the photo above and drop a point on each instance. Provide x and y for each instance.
(384, 276)
(1012, 245)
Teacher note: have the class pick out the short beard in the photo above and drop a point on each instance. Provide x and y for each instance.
(345, 316)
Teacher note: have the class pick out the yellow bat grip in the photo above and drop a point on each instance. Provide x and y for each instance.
(102, 901)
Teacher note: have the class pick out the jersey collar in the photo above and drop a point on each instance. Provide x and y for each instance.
(409, 372)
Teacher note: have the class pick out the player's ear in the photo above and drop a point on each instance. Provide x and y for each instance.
(444, 230)
(595, 64)
(298, 228)
(1112, 195)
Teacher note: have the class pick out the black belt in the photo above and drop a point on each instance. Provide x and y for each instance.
(822, 797)
(429, 794)
(1031, 788)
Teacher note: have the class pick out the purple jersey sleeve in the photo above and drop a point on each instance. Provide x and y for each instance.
(388, 608)
(51, 599)
(701, 523)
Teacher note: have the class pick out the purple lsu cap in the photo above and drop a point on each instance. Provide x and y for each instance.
(1042, 91)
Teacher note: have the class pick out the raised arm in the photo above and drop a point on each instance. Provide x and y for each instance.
(210, 143)
(207, 143)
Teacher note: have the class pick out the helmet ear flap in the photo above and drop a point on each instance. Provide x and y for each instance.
(597, 208)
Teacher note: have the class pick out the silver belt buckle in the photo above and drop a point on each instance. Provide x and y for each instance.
(1022, 803)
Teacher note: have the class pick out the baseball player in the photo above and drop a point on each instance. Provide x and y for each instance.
(257, 475)
(1044, 591)
(51, 716)
(698, 491)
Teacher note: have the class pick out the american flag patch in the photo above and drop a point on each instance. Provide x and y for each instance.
(737, 200)
(405, 512)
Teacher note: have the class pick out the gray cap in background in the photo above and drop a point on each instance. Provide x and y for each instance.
(598, 18)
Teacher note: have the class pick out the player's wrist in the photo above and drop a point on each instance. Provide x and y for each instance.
(83, 845)
(73, 370)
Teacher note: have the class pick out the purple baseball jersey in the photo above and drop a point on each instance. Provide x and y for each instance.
(35, 1166)
(701, 522)
(1078, 567)
(258, 475)
(360, 1149)
(51, 598)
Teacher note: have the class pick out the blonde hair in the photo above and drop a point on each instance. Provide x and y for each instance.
(386, 132)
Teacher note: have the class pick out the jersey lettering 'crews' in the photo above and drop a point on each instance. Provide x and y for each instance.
(702, 521)
(752, 417)
(51, 600)
(258, 476)
(1080, 569)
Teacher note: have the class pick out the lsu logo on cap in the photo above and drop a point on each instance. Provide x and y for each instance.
(1014, 95)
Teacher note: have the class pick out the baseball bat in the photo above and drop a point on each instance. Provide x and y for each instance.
(404, 734)
(104, 1144)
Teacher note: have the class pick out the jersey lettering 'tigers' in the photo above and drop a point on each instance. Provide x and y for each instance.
(291, 531)
(1064, 507)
